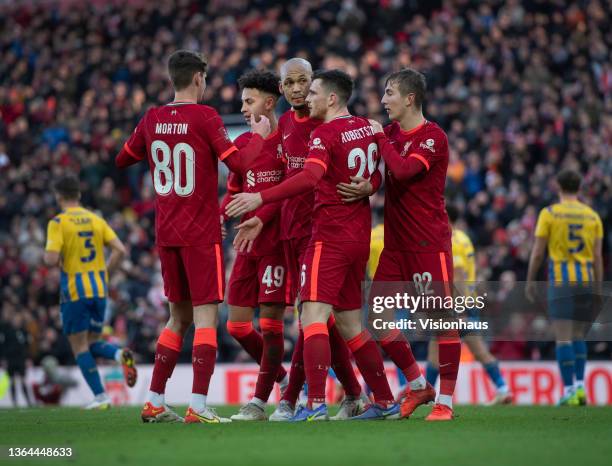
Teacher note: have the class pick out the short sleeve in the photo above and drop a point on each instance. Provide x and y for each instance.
(136, 145)
(319, 148)
(431, 148)
(543, 225)
(107, 232)
(217, 135)
(55, 240)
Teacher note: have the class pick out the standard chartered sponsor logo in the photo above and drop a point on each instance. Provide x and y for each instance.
(269, 176)
(250, 177)
(295, 161)
(266, 176)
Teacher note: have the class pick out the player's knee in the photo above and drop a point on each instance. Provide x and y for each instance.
(79, 342)
(179, 324)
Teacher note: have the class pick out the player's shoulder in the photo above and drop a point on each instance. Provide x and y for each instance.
(93, 216)
(206, 109)
(432, 130)
(243, 139)
(391, 128)
(205, 113)
(324, 131)
(284, 119)
(588, 210)
(550, 209)
(57, 219)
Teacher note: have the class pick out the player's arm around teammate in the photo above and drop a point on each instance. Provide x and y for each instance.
(258, 277)
(183, 142)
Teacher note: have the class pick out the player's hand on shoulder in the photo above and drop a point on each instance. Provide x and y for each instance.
(247, 232)
(242, 203)
(261, 127)
(376, 126)
(359, 188)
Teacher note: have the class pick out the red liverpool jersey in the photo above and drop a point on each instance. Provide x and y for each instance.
(182, 142)
(345, 147)
(296, 212)
(415, 213)
(267, 170)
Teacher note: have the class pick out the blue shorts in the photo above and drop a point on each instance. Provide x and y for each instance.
(83, 315)
(572, 302)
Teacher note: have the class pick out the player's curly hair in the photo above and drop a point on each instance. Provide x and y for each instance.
(338, 82)
(182, 65)
(410, 81)
(262, 80)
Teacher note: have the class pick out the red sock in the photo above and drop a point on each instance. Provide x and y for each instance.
(273, 350)
(168, 349)
(398, 349)
(252, 342)
(341, 361)
(317, 359)
(204, 356)
(449, 355)
(297, 376)
(370, 364)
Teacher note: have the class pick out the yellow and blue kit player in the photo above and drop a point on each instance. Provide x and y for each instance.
(572, 233)
(76, 239)
(464, 271)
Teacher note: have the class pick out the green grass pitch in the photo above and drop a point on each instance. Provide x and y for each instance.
(479, 436)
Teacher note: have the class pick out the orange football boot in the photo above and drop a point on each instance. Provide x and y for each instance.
(152, 413)
(412, 399)
(440, 412)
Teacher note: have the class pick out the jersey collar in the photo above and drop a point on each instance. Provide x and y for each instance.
(413, 130)
(180, 102)
(298, 119)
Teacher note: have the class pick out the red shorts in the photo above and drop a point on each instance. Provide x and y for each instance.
(193, 273)
(256, 280)
(420, 268)
(295, 249)
(332, 273)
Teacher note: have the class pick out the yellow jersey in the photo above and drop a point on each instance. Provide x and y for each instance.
(80, 236)
(377, 242)
(571, 229)
(463, 255)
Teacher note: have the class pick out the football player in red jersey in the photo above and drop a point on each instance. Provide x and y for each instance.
(337, 254)
(182, 142)
(417, 244)
(258, 277)
(295, 127)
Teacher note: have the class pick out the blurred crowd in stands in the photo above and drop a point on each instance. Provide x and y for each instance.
(523, 89)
